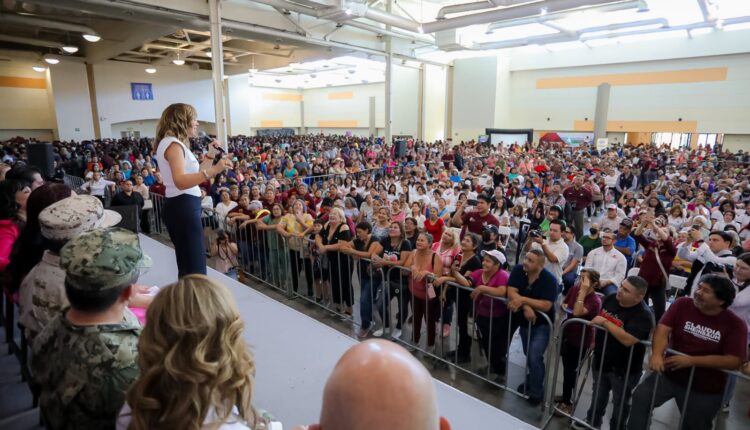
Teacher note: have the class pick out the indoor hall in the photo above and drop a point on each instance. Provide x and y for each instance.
(377, 114)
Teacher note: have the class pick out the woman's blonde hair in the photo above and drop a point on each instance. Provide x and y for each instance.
(193, 359)
(455, 233)
(175, 121)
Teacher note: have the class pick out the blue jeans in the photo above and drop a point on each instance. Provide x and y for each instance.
(534, 351)
(369, 288)
(569, 279)
(232, 273)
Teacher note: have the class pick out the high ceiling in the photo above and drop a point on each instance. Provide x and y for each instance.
(264, 36)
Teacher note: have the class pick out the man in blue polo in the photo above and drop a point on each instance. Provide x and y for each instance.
(532, 289)
(624, 242)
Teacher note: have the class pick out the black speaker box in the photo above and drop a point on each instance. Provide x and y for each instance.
(400, 148)
(42, 156)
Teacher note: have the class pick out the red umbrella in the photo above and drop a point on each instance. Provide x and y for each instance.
(551, 137)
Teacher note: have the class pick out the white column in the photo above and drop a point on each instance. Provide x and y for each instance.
(217, 70)
(388, 80)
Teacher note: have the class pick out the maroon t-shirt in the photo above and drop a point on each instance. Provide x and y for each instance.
(697, 334)
(593, 305)
(475, 223)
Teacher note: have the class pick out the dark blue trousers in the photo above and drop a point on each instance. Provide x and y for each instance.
(182, 216)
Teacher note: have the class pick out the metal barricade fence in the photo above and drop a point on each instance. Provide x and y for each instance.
(492, 325)
(74, 182)
(585, 361)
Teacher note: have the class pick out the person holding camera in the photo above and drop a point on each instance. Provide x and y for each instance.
(182, 174)
(656, 238)
(555, 249)
(226, 253)
(711, 256)
(475, 220)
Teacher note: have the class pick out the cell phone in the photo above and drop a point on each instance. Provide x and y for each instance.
(458, 259)
(471, 202)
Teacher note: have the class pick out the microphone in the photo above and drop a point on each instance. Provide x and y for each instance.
(204, 138)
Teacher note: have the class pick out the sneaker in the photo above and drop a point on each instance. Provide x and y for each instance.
(363, 333)
(396, 334)
(378, 332)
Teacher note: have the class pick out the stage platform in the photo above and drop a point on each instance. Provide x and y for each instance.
(294, 354)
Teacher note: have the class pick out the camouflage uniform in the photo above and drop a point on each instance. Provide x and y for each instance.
(42, 292)
(84, 371)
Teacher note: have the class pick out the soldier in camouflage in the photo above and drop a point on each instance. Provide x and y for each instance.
(42, 292)
(85, 359)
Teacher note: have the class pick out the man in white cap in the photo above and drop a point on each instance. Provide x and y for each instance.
(612, 219)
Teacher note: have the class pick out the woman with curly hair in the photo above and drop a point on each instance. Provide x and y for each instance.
(196, 370)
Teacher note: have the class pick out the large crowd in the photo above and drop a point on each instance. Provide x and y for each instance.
(599, 234)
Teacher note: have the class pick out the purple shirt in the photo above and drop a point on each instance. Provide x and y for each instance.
(593, 305)
(490, 306)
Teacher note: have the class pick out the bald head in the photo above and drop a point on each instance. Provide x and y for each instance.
(378, 385)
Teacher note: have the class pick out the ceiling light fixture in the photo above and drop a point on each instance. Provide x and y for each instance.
(92, 37)
(543, 11)
(348, 11)
(208, 54)
(178, 61)
(50, 59)
(70, 49)
(39, 68)
(150, 70)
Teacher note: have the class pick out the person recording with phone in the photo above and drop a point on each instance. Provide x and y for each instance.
(182, 208)
(654, 235)
(711, 256)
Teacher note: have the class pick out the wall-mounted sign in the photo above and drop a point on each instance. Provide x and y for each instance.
(141, 91)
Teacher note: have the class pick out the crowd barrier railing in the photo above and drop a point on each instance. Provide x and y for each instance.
(294, 267)
(585, 361)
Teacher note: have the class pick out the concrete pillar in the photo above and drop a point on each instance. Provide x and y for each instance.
(217, 70)
(373, 130)
(388, 79)
(302, 128)
(602, 109)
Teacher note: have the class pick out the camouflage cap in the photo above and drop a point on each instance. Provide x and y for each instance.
(102, 258)
(70, 217)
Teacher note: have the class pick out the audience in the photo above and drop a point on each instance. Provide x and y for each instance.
(411, 204)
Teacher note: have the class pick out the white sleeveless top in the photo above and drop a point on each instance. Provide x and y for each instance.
(191, 166)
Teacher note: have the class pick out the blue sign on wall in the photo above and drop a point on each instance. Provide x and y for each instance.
(141, 91)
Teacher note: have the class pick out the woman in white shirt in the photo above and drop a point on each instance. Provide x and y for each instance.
(208, 381)
(97, 186)
(181, 174)
(223, 207)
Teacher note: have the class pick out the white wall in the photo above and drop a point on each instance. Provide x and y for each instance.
(434, 102)
(717, 106)
(171, 84)
(474, 96)
(238, 105)
(405, 101)
(263, 107)
(25, 108)
(70, 90)
(318, 107)
(735, 142)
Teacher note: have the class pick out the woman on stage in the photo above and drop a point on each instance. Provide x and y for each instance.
(181, 173)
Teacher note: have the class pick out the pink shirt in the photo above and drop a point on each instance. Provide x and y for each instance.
(490, 306)
(9, 232)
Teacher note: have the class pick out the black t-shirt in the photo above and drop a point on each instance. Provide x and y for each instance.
(394, 254)
(636, 321)
(364, 263)
(487, 246)
(544, 288)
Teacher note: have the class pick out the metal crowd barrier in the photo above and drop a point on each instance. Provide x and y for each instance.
(74, 182)
(586, 362)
